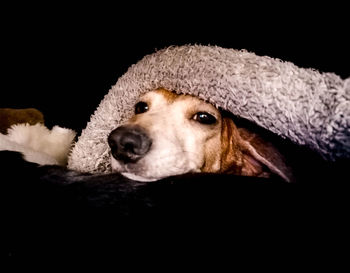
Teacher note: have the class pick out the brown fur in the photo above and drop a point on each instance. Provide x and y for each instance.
(9, 117)
(246, 153)
(169, 96)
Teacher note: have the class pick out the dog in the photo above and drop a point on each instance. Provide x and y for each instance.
(172, 134)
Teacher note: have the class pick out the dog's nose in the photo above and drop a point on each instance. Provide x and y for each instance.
(129, 143)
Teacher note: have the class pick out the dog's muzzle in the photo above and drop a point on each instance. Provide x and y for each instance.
(129, 143)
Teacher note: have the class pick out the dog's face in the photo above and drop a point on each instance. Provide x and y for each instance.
(173, 134)
(168, 135)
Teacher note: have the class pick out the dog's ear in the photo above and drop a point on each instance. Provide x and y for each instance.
(247, 153)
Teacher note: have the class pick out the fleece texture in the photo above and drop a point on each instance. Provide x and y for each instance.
(308, 107)
(38, 144)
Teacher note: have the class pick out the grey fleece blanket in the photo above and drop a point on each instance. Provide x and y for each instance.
(304, 105)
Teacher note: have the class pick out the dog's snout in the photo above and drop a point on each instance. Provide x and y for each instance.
(129, 143)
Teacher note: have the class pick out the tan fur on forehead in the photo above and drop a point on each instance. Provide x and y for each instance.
(168, 95)
(171, 97)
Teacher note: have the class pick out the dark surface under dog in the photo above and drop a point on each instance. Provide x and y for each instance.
(50, 210)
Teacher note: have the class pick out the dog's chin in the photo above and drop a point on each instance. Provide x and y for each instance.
(121, 168)
(140, 172)
(138, 178)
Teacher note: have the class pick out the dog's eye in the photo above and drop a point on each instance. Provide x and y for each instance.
(141, 107)
(204, 118)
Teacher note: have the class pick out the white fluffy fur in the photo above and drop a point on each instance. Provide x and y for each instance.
(28, 153)
(39, 144)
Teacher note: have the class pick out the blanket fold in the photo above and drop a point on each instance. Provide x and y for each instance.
(304, 105)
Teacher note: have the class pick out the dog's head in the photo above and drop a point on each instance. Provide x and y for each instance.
(173, 134)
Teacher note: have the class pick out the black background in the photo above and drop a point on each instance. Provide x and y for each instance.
(64, 59)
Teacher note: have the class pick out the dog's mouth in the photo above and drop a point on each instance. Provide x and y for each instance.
(153, 168)
(138, 178)
(131, 170)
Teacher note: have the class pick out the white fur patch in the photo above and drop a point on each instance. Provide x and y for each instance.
(38, 143)
(28, 153)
